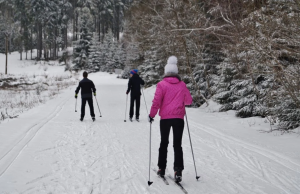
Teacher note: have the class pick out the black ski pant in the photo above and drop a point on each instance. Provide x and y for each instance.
(90, 102)
(137, 99)
(165, 127)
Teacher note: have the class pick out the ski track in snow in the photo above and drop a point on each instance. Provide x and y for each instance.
(110, 156)
(12, 154)
(265, 165)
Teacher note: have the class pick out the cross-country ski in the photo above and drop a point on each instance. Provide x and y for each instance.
(178, 184)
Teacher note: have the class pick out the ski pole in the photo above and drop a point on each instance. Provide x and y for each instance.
(197, 177)
(126, 107)
(145, 100)
(76, 105)
(98, 106)
(149, 182)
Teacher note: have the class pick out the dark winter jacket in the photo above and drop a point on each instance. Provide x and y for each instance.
(134, 85)
(86, 86)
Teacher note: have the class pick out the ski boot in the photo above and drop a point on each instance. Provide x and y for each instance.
(161, 172)
(93, 119)
(130, 119)
(81, 119)
(137, 119)
(178, 176)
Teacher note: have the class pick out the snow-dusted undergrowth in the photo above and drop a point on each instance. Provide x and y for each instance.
(22, 92)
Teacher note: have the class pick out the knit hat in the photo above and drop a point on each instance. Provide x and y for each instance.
(134, 71)
(171, 66)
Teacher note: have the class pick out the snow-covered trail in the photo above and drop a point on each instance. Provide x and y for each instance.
(53, 152)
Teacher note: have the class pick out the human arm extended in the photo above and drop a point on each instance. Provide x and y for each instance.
(77, 90)
(156, 103)
(129, 86)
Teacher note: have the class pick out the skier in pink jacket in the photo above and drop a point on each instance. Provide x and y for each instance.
(170, 98)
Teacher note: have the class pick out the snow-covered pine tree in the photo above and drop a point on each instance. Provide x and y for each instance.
(266, 63)
(108, 50)
(288, 115)
(132, 58)
(119, 57)
(82, 46)
(241, 90)
(112, 54)
(152, 68)
(94, 57)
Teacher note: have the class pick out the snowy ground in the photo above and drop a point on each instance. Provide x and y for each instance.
(30, 83)
(48, 150)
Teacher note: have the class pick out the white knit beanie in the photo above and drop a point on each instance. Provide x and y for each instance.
(171, 66)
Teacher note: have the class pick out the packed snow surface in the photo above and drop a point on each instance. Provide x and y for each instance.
(48, 150)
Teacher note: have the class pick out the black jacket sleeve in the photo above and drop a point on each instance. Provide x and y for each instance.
(77, 89)
(93, 87)
(129, 85)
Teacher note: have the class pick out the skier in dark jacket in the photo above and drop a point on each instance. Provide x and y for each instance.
(87, 87)
(134, 85)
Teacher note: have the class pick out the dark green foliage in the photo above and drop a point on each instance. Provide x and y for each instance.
(82, 46)
(95, 53)
(152, 68)
(288, 115)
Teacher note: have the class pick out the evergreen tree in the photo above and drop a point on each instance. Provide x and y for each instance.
(152, 67)
(94, 57)
(120, 57)
(108, 49)
(82, 46)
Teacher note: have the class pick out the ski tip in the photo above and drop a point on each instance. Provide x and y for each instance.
(149, 183)
(197, 177)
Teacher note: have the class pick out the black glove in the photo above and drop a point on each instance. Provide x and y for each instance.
(150, 119)
(127, 92)
(75, 95)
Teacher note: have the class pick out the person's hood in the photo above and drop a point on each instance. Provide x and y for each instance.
(172, 78)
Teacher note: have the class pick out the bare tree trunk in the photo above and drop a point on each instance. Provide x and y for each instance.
(54, 46)
(40, 41)
(76, 24)
(38, 50)
(6, 53)
(99, 26)
(66, 38)
(45, 49)
(31, 44)
(118, 22)
(37, 44)
(103, 28)
(50, 52)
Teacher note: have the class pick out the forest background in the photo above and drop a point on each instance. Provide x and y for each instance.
(244, 54)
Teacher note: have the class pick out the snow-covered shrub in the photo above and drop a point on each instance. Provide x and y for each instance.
(18, 94)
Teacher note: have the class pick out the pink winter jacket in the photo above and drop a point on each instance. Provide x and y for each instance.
(170, 98)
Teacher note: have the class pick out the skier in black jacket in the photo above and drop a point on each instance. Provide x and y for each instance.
(86, 86)
(134, 85)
